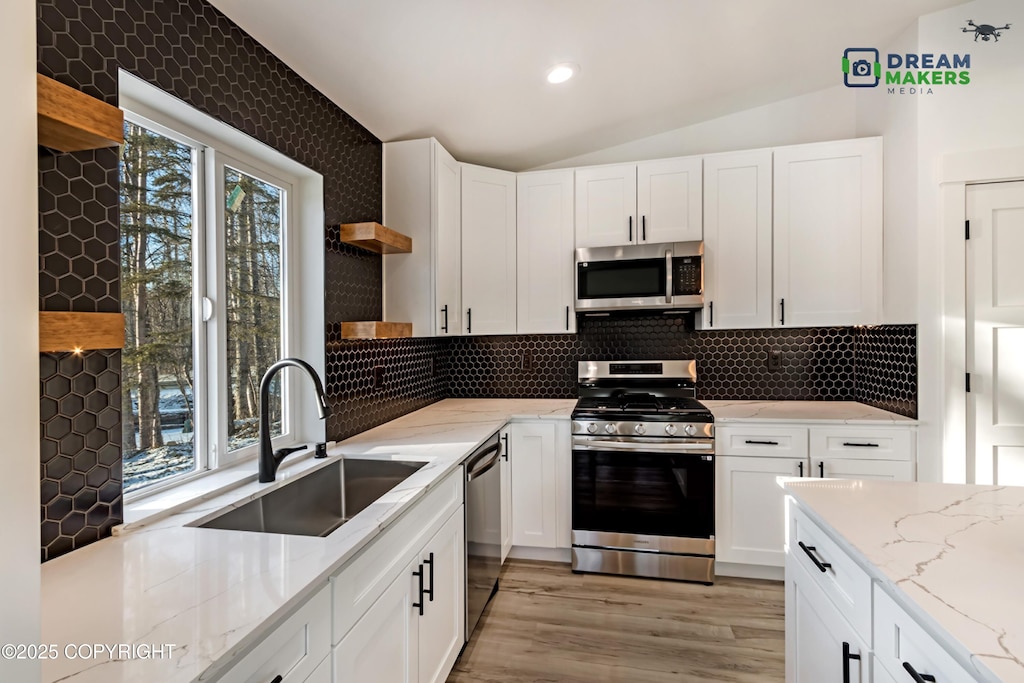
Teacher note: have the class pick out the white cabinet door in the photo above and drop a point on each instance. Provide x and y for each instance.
(506, 498)
(545, 264)
(488, 250)
(531, 453)
(738, 241)
(606, 206)
(750, 520)
(383, 646)
(442, 628)
(850, 468)
(422, 183)
(668, 200)
(828, 233)
(447, 198)
(820, 642)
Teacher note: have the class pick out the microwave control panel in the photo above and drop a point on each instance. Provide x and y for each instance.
(687, 278)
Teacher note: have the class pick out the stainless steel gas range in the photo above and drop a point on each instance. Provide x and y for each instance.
(643, 472)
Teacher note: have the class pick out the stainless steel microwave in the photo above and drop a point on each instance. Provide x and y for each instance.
(667, 276)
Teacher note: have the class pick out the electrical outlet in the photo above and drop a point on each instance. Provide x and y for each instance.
(431, 371)
(378, 376)
(774, 360)
(526, 360)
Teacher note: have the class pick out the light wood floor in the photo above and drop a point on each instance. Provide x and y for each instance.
(548, 624)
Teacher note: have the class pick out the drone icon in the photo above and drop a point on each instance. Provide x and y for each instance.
(986, 31)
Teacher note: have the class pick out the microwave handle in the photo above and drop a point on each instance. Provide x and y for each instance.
(668, 276)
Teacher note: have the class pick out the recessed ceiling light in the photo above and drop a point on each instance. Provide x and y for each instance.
(560, 73)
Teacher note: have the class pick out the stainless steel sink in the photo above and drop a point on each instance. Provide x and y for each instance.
(318, 503)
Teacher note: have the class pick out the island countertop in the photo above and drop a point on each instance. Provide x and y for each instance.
(951, 555)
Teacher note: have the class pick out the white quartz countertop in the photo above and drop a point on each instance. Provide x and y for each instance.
(826, 412)
(213, 594)
(952, 555)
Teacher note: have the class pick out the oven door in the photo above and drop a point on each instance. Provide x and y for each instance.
(658, 495)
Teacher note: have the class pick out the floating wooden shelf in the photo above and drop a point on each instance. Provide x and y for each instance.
(71, 121)
(376, 238)
(375, 329)
(60, 331)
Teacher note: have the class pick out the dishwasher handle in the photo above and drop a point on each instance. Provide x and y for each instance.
(482, 463)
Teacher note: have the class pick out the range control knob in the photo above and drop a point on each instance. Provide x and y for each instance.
(640, 428)
(591, 427)
(671, 429)
(610, 428)
(690, 430)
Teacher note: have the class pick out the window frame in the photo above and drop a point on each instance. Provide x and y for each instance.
(211, 154)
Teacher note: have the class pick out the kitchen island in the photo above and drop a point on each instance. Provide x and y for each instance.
(950, 556)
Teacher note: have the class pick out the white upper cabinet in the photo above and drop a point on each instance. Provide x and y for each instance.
(738, 241)
(606, 206)
(668, 200)
(545, 252)
(649, 202)
(488, 250)
(422, 186)
(828, 233)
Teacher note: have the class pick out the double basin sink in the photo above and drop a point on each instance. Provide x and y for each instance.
(319, 502)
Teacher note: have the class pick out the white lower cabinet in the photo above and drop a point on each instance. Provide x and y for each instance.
(323, 673)
(821, 645)
(442, 628)
(531, 453)
(506, 497)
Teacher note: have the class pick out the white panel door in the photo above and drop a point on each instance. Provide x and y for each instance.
(816, 633)
(506, 498)
(447, 210)
(606, 206)
(442, 628)
(750, 508)
(738, 241)
(668, 200)
(995, 325)
(488, 250)
(828, 233)
(383, 646)
(531, 453)
(854, 468)
(545, 263)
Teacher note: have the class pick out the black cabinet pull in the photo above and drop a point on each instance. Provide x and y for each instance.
(566, 318)
(763, 443)
(504, 451)
(277, 679)
(860, 445)
(643, 228)
(430, 591)
(469, 320)
(782, 311)
(444, 328)
(817, 563)
(630, 228)
(419, 573)
(800, 465)
(711, 314)
(821, 469)
(847, 656)
(918, 678)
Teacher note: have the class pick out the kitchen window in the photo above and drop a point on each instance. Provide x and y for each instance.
(208, 290)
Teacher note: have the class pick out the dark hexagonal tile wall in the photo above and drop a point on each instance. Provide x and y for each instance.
(886, 366)
(194, 52)
(81, 451)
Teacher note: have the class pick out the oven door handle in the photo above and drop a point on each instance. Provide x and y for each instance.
(675, 447)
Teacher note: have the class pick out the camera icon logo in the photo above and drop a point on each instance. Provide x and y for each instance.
(861, 68)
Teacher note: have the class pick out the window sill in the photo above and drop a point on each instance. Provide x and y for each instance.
(149, 509)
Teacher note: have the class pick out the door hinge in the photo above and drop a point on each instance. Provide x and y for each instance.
(968, 382)
(967, 230)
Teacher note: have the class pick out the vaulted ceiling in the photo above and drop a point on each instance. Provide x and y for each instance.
(472, 72)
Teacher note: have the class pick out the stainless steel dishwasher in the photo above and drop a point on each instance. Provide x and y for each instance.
(483, 529)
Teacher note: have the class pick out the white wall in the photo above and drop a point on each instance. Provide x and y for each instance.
(19, 342)
(829, 114)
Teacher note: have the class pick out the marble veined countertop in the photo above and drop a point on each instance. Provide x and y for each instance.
(952, 555)
(826, 412)
(214, 594)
